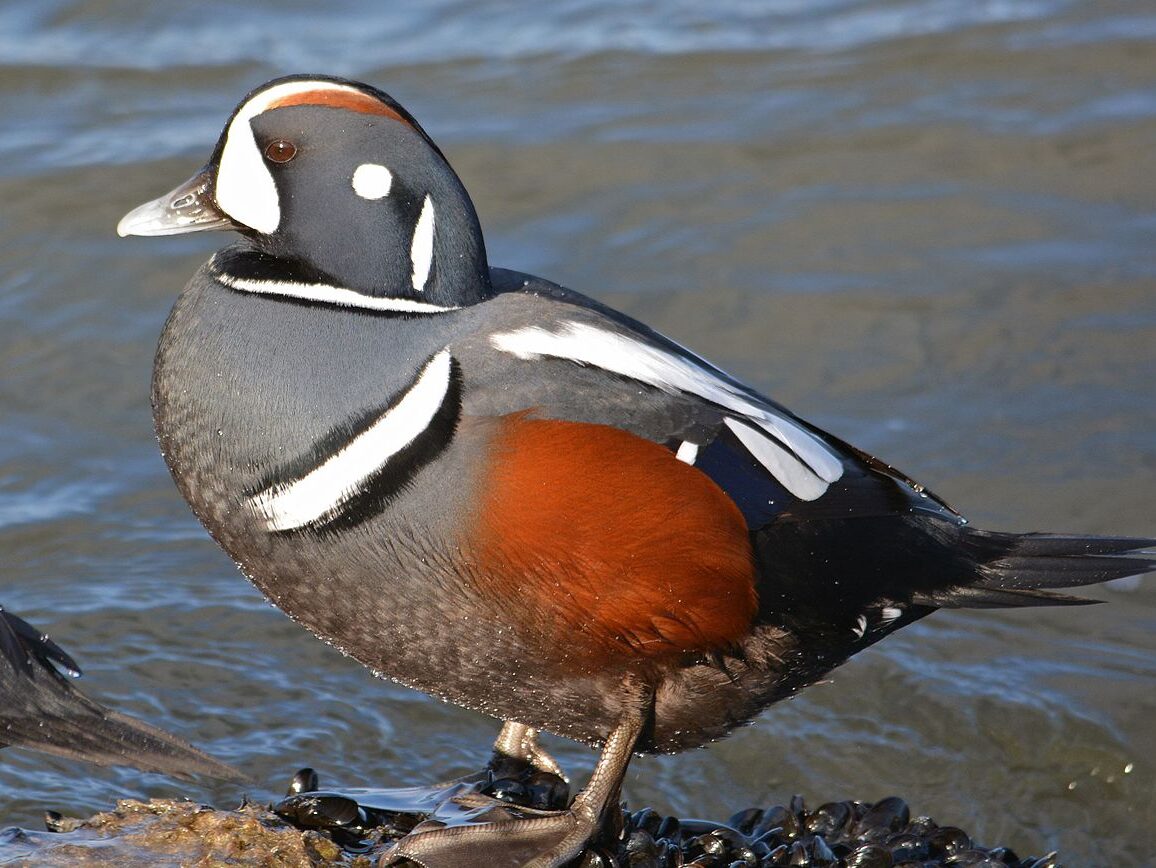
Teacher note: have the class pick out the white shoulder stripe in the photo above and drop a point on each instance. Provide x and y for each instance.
(327, 294)
(421, 248)
(589, 345)
(324, 489)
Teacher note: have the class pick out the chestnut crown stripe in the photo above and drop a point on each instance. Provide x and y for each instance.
(333, 95)
(244, 188)
(798, 459)
(321, 492)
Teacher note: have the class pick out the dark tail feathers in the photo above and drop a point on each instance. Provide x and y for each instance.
(1014, 569)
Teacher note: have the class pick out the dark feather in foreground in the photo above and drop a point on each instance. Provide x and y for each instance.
(41, 710)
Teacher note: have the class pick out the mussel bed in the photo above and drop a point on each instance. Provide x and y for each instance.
(315, 828)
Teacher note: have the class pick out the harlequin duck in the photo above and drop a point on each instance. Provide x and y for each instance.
(505, 494)
(41, 710)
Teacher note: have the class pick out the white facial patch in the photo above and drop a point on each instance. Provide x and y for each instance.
(372, 181)
(244, 187)
(421, 249)
(325, 489)
(806, 473)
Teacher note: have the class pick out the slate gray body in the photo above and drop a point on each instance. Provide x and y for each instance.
(235, 393)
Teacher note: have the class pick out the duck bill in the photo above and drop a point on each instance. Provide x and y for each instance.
(188, 208)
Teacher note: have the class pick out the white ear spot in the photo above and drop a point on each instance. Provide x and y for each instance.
(372, 181)
(421, 250)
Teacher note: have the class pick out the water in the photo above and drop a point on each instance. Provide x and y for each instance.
(925, 225)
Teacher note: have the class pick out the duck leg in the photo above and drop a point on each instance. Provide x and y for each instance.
(521, 742)
(512, 838)
(518, 760)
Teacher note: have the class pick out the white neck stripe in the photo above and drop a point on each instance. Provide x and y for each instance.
(326, 294)
(421, 248)
(324, 490)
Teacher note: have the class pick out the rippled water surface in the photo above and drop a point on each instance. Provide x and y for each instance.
(926, 225)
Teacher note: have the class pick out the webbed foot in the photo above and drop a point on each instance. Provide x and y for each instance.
(509, 837)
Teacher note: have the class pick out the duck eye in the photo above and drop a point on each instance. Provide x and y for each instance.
(280, 151)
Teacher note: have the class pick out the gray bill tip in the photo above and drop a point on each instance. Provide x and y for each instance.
(188, 208)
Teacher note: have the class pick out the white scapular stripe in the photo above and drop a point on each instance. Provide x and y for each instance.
(326, 294)
(795, 476)
(590, 345)
(421, 249)
(687, 451)
(324, 489)
(372, 181)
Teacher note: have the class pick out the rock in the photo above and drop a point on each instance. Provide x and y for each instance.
(169, 832)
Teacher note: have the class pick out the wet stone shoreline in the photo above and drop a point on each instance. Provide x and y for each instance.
(312, 828)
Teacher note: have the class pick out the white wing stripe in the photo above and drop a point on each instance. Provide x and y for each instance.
(327, 487)
(806, 445)
(326, 294)
(590, 345)
(796, 477)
